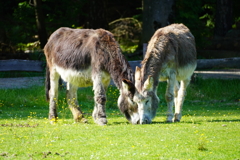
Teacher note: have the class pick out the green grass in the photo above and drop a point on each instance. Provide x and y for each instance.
(210, 127)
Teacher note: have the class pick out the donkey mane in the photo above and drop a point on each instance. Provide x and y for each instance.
(115, 63)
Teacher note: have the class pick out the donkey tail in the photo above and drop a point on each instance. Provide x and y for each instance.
(47, 83)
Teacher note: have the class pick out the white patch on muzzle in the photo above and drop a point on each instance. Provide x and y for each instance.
(135, 118)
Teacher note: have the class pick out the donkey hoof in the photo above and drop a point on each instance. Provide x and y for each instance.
(52, 119)
(169, 119)
(84, 120)
(101, 121)
(177, 117)
(176, 120)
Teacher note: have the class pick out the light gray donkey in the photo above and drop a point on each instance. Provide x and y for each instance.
(171, 57)
(87, 57)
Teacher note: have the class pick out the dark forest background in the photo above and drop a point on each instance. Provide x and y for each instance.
(25, 25)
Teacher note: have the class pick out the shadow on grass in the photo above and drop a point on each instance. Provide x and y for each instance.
(197, 121)
(169, 123)
(119, 123)
(233, 120)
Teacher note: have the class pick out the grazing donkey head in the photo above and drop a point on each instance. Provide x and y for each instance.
(87, 57)
(171, 57)
(146, 98)
(125, 101)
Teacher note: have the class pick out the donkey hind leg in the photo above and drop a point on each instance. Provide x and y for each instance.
(99, 113)
(180, 100)
(73, 103)
(169, 96)
(176, 89)
(53, 94)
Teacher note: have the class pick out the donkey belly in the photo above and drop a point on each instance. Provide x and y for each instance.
(185, 72)
(181, 73)
(80, 78)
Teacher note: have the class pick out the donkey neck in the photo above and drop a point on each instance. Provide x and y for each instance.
(120, 70)
(151, 67)
(117, 66)
(160, 50)
(111, 59)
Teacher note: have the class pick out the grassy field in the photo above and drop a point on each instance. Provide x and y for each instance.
(210, 127)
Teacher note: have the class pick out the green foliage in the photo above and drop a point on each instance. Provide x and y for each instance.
(24, 27)
(128, 48)
(65, 14)
(236, 13)
(189, 13)
(32, 46)
(236, 21)
(18, 20)
(22, 30)
(209, 18)
(209, 128)
(127, 32)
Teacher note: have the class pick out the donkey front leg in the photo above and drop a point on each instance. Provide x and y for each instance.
(169, 96)
(53, 95)
(99, 113)
(180, 100)
(73, 103)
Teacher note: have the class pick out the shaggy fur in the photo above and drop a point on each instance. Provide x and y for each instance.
(86, 57)
(171, 57)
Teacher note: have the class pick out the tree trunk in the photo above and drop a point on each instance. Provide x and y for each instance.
(224, 17)
(42, 34)
(156, 14)
(97, 14)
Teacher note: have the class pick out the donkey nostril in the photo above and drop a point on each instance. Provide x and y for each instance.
(145, 121)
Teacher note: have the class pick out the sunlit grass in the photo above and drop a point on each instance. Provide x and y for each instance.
(209, 128)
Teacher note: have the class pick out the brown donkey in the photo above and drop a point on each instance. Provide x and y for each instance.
(171, 57)
(87, 57)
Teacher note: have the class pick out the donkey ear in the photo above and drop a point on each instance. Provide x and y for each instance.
(137, 73)
(138, 78)
(128, 86)
(148, 84)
